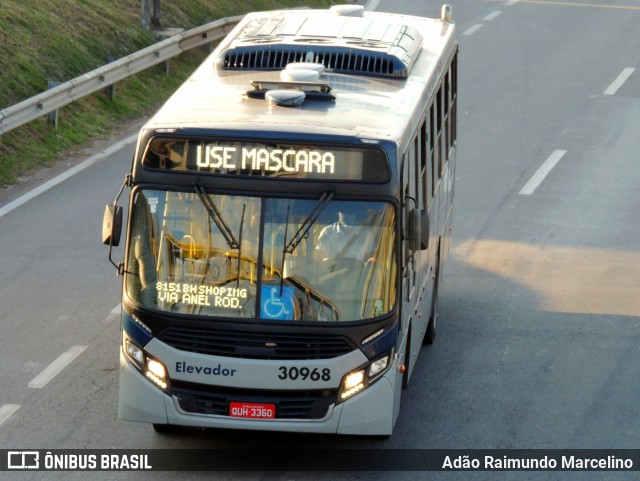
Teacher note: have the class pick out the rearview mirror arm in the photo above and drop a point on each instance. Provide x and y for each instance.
(120, 265)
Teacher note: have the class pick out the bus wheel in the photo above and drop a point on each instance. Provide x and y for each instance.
(430, 335)
(167, 428)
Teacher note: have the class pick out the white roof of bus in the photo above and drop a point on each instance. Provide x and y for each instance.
(369, 106)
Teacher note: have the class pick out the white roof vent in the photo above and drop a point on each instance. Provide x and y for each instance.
(285, 97)
(299, 75)
(364, 45)
(347, 10)
(318, 67)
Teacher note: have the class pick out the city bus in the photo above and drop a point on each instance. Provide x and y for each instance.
(288, 221)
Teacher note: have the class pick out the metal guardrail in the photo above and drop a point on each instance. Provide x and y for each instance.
(107, 75)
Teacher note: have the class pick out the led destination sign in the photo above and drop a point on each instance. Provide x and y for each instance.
(267, 160)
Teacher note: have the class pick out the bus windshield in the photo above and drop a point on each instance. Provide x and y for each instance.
(232, 256)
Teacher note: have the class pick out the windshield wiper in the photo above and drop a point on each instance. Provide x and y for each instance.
(303, 230)
(214, 213)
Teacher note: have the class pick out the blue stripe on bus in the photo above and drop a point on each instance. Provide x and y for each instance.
(135, 330)
(382, 343)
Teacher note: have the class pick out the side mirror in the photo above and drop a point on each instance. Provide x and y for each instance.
(418, 229)
(112, 225)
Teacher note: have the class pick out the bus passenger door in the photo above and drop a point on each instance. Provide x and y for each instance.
(411, 260)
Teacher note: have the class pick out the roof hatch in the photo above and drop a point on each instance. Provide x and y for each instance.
(343, 43)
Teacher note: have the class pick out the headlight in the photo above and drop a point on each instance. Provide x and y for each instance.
(379, 366)
(151, 368)
(134, 352)
(361, 378)
(156, 373)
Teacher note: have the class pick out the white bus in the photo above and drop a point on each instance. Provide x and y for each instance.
(289, 218)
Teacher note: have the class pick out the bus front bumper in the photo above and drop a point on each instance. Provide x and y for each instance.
(368, 413)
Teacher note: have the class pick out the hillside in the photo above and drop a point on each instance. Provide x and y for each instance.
(43, 40)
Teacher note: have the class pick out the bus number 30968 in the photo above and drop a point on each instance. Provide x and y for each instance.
(304, 373)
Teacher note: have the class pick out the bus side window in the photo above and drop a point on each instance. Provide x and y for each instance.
(423, 182)
(446, 93)
(432, 147)
(454, 95)
(439, 134)
(417, 170)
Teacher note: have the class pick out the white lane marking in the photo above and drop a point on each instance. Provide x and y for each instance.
(511, 2)
(31, 367)
(7, 410)
(56, 366)
(113, 315)
(493, 15)
(618, 82)
(14, 204)
(372, 5)
(531, 186)
(473, 29)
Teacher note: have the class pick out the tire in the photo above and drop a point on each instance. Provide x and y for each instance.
(430, 335)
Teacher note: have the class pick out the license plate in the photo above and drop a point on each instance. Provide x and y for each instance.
(252, 410)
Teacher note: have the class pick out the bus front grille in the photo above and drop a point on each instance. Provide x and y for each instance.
(256, 345)
(214, 400)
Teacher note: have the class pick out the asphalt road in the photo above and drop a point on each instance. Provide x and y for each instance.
(539, 341)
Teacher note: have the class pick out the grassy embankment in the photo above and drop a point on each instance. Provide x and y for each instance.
(42, 40)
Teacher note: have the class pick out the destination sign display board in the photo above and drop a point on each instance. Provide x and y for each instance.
(295, 161)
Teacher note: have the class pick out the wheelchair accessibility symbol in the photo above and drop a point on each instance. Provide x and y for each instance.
(276, 306)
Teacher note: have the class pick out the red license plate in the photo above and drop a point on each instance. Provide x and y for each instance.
(252, 410)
